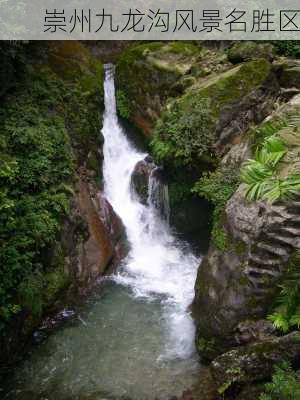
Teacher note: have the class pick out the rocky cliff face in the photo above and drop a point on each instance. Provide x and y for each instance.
(241, 283)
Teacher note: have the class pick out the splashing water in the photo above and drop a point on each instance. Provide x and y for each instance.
(156, 264)
(135, 336)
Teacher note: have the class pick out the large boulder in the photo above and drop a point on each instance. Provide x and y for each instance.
(140, 178)
(255, 362)
(105, 233)
(240, 281)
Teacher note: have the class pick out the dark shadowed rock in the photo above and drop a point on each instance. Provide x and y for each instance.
(140, 178)
(290, 77)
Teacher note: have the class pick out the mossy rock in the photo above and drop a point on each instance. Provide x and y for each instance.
(191, 125)
(74, 62)
(246, 51)
(254, 362)
(148, 74)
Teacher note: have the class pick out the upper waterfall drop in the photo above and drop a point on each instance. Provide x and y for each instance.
(157, 267)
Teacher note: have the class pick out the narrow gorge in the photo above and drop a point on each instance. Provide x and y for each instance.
(150, 228)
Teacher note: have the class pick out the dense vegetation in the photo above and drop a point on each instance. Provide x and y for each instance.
(42, 140)
(286, 314)
(35, 168)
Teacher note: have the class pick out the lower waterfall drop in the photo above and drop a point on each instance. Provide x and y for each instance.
(157, 266)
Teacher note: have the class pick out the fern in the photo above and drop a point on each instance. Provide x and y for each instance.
(287, 312)
(260, 174)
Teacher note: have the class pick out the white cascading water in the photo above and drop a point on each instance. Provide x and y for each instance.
(157, 267)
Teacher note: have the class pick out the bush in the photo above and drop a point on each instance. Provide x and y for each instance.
(285, 384)
(184, 132)
(289, 48)
(36, 166)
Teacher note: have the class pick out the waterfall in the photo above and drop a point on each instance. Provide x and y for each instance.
(134, 337)
(158, 267)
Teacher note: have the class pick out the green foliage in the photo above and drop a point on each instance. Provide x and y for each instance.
(184, 132)
(290, 48)
(285, 384)
(287, 312)
(39, 127)
(36, 158)
(123, 104)
(261, 177)
(218, 187)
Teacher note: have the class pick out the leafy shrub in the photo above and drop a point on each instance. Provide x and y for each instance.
(287, 312)
(285, 384)
(184, 131)
(37, 125)
(218, 187)
(261, 177)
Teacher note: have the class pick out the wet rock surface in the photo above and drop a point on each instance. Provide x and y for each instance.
(140, 178)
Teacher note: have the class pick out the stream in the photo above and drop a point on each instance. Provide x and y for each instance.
(134, 337)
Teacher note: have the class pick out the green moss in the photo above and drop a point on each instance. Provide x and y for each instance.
(182, 48)
(151, 71)
(236, 84)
